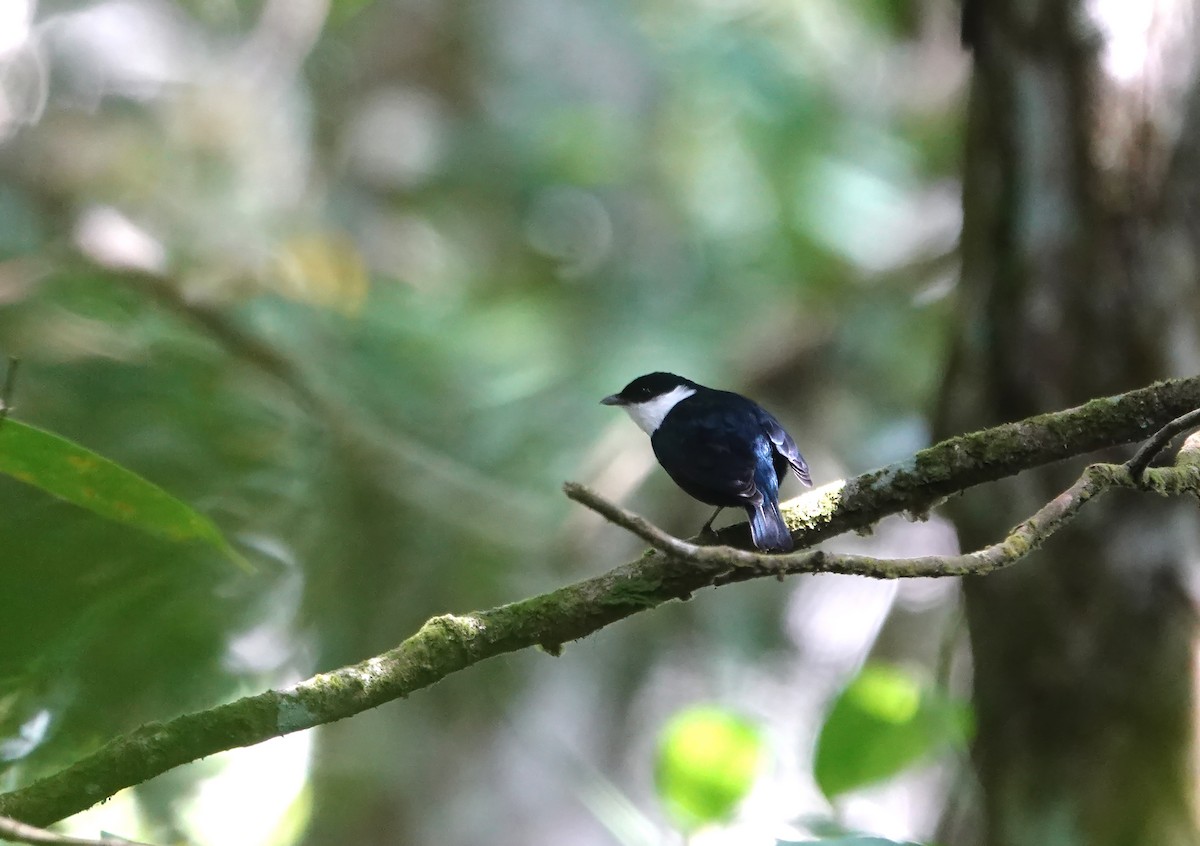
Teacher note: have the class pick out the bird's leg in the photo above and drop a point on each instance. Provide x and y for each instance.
(706, 531)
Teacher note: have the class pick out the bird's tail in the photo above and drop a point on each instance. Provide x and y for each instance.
(767, 528)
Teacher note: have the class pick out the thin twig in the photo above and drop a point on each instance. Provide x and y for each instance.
(1146, 453)
(1023, 540)
(1019, 543)
(15, 831)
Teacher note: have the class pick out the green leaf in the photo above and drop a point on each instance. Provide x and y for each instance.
(708, 759)
(80, 476)
(881, 723)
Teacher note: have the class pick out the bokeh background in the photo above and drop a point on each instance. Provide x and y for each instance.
(350, 277)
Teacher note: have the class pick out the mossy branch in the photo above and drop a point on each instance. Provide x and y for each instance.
(450, 643)
(1019, 543)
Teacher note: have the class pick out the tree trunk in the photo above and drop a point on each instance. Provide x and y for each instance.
(1079, 252)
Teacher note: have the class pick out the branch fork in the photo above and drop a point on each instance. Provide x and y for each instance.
(1017, 545)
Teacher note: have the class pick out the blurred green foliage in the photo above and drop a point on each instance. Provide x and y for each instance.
(350, 278)
(883, 722)
(708, 759)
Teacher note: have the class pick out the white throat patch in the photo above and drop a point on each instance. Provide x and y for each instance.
(649, 414)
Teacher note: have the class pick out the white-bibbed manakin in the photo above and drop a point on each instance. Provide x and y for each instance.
(720, 447)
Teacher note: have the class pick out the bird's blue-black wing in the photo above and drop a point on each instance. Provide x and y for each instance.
(785, 447)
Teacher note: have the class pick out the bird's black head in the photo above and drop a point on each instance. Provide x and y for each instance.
(645, 388)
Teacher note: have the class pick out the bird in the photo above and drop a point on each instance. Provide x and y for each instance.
(719, 447)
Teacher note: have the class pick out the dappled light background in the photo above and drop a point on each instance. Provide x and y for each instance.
(350, 277)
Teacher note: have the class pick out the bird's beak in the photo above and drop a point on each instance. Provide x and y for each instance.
(611, 399)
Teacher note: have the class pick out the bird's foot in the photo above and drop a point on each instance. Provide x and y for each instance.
(708, 535)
